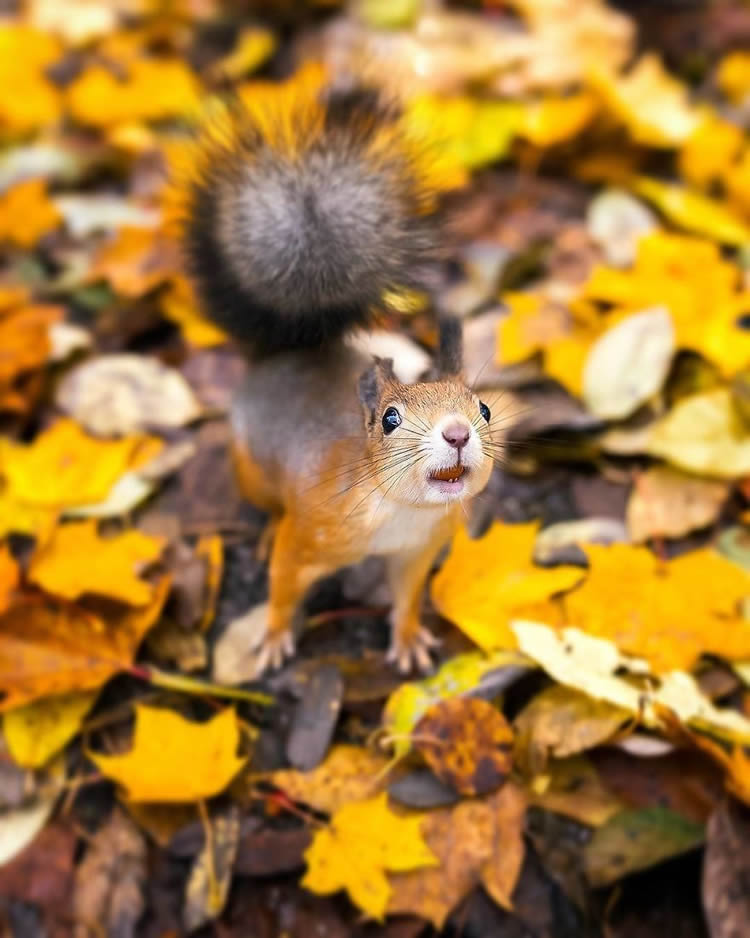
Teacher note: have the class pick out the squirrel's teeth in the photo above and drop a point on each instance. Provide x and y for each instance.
(452, 474)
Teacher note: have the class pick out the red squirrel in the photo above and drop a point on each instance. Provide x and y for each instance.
(303, 216)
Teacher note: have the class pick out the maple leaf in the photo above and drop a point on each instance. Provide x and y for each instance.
(62, 468)
(180, 305)
(26, 214)
(668, 613)
(39, 730)
(497, 579)
(554, 120)
(9, 576)
(24, 338)
(362, 841)
(174, 759)
(77, 560)
(48, 648)
(135, 261)
(733, 75)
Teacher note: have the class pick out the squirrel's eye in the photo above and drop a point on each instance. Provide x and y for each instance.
(391, 419)
(484, 411)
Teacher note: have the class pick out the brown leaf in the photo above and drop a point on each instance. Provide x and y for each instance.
(477, 841)
(726, 867)
(109, 881)
(467, 743)
(669, 503)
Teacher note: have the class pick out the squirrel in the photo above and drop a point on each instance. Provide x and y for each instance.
(302, 216)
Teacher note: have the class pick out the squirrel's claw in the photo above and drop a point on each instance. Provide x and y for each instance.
(273, 652)
(414, 652)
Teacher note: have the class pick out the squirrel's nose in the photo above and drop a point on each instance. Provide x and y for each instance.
(456, 434)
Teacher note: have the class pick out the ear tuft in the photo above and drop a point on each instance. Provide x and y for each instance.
(373, 380)
(451, 347)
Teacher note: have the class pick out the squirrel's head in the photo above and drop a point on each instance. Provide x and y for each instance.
(431, 443)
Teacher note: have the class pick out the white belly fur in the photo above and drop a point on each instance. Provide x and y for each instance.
(399, 528)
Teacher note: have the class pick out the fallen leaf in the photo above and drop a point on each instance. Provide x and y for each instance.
(9, 576)
(636, 840)
(562, 722)
(560, 543)
(64, 466)
(551, 121)
(693, 211)
(348, 774)
(315, 717)
(616, 221)
(152, 90)
(26, 339)
(210, 548)
(20, 825)
(180, 304)
(710, 151)
(573, 787)
(48, 648)
(252, 48)
(86, 214)
(592, 665)
(498, 579)
(733, 75)
(669, 613)
(110, 880)
(628, 364)
(211, 876)
(77, 560)
(467, 743)
(653, 106)
(36, 732)
(704, 434)
(725, 869)
(25, 54)
(668, 503)
(174, 759)
(115, 395)
(362, 841)
(476, 842)
(463, 673)
(134, 262)
(27, 214)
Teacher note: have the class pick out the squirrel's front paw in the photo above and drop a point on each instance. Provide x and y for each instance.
(412, 651)
(248, 648)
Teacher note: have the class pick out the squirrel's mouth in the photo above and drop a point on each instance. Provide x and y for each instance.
(451, 474)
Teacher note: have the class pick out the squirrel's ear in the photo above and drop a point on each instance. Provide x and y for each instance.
(450, 348)
(372, 382)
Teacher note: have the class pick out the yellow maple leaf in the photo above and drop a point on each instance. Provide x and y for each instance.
(153, 90)
(173, 759)
(27, 214)
(497, 580)
(652, 105)
(76, 560)
(31, 100)
(668, 613)
(65, 467)
(362, 841)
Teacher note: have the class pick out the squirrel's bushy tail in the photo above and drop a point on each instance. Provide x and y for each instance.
(304, 211)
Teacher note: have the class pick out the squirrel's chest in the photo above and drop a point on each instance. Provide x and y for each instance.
(401, 528)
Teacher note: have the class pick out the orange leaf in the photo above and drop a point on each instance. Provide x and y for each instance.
(30, 99)
(174, 759)
(76, 560)
(48, 647)
(26, 214)
(135, 262)
(8, 577)
(24, 339)
(153, 90)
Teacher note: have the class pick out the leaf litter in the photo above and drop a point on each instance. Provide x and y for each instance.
(594, 625)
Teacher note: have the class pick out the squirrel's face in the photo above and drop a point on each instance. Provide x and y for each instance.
(431, 443)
